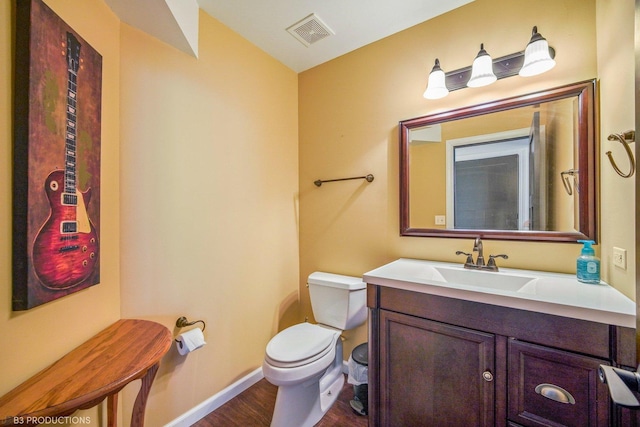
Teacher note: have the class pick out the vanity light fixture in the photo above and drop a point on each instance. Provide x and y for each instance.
(535, 59)
(482, 70)
(436, 88)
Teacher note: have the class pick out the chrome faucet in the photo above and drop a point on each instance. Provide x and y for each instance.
(479, 263)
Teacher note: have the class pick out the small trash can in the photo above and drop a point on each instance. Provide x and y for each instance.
(358, 376)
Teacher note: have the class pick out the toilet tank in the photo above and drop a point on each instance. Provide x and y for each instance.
(338, 301)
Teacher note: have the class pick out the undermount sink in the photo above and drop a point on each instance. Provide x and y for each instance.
(484, 279)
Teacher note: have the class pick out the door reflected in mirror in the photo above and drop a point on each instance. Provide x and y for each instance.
(521, 168)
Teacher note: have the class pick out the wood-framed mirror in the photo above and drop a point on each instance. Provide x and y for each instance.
(521, 168)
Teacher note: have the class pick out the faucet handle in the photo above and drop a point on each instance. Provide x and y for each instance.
(492, 259)
(469, 260)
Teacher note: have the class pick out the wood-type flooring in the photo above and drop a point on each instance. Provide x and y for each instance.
(254, 407)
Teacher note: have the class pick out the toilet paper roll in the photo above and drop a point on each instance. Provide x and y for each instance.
(190, 341)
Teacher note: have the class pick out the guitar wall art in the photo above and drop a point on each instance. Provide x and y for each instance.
(57, 125)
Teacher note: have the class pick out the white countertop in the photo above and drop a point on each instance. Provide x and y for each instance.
(544, 292)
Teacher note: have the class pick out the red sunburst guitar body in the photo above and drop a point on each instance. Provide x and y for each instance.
(65, 250)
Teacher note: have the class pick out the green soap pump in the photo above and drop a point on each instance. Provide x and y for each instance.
(588, 265)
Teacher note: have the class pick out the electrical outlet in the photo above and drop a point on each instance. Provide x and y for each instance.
(440, 220)
(620, 258)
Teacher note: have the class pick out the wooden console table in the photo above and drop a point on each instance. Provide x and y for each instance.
(127, 350)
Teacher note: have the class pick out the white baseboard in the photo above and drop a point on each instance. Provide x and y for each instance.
(217, 400)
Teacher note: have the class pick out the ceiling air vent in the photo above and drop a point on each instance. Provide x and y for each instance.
(310, 30)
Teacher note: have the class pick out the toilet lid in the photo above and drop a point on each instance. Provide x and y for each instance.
(299, 343)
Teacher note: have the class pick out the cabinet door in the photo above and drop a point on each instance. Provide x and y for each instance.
(433, 374)
(549, 387)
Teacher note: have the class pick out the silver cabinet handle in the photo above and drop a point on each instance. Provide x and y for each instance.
(488, 376)
(555, 393)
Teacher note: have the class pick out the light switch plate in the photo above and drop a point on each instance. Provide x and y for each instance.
(440, 220)
(620, 258)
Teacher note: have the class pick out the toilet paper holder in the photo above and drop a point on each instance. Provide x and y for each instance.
(182, 322)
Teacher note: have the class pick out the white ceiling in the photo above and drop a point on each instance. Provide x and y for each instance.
(355, 23)
(264, 23)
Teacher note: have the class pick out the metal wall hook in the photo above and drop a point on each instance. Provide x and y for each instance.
(625, 139)
(182, 322)
(566, 181)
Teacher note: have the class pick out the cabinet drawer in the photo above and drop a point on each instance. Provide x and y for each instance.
(548, 387)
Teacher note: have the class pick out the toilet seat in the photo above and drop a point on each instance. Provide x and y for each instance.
(299, 345)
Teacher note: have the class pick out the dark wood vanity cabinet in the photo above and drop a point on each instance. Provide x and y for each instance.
(438, 361)
(420, 355)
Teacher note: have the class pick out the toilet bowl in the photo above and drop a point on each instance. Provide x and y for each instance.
(305, 360)
(307, 387)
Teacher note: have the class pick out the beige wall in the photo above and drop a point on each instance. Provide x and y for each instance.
(615, 25)
(208, 203)
(350, 108)
(206, 221)
(35, 338)
(205, 224)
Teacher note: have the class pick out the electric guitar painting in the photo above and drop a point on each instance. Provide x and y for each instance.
(65, 250)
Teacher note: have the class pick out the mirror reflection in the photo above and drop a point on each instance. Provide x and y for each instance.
(521, 168)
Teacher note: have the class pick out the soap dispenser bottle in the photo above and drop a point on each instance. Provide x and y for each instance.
(588, 265)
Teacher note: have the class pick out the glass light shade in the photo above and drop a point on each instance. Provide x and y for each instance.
(436, 87)
(537, 58)
(482, 70)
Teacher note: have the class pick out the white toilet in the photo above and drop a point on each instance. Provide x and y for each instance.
(305, 360)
